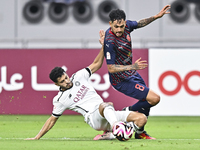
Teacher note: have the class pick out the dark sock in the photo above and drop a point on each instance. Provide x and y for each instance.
(142, 107)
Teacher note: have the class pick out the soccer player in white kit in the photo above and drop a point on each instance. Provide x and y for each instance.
(78, 95)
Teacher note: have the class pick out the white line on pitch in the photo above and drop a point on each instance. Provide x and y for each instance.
(65, 138)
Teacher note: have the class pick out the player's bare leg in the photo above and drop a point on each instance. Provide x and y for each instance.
(107, 111)
(138, 119)
(153, 98)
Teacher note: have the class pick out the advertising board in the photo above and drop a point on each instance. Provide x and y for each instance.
(25, 87)
(175, 75)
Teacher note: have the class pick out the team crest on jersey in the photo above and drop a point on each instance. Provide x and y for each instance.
(128, 38)
(108, 55)
(77, 83)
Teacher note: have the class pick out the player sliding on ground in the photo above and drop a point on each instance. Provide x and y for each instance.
(77, 94)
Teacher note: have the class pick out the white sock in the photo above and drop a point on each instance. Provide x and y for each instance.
(135, 127)
(109, 114)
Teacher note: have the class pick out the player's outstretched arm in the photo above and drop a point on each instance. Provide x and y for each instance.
(147, 21)
(138, 65)
(97, 63)
(46, 127)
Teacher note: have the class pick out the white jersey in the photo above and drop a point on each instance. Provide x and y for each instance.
(81, 97)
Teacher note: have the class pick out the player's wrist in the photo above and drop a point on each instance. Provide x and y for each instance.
(156, 16)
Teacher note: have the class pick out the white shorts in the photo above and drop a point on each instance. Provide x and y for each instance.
(97, 122)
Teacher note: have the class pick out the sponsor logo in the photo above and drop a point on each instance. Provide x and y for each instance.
(81, 93)
(180, 83)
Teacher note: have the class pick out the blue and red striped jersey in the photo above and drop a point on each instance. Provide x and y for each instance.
(118, 50)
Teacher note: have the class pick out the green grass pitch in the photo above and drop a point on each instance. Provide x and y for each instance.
(71, 133)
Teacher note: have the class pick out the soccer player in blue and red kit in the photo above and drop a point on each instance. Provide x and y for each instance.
(122, 73)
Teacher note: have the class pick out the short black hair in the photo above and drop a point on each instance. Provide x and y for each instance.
(117, 14)
(56, 73)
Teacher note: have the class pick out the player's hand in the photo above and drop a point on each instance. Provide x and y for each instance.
(164, 11)
(140, 64)
(102, 36)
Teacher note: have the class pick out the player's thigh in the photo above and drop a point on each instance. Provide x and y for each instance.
(131, 87)
(97, 122)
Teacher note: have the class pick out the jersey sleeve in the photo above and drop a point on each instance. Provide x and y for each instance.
(131, 24)
(89, 71)
(58, 109)
(83, 73)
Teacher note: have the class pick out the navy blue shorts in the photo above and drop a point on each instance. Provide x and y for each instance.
(133, 86)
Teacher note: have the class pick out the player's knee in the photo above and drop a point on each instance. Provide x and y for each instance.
(102, 107)
(105, 104)
(110, 103)
(153, 98)
(156, 99)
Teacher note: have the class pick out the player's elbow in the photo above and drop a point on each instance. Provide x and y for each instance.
(110, 69)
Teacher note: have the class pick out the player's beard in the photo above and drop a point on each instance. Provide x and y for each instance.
(118, 34)
(68, 86)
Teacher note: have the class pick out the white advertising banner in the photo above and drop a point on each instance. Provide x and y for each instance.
(175, 75)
